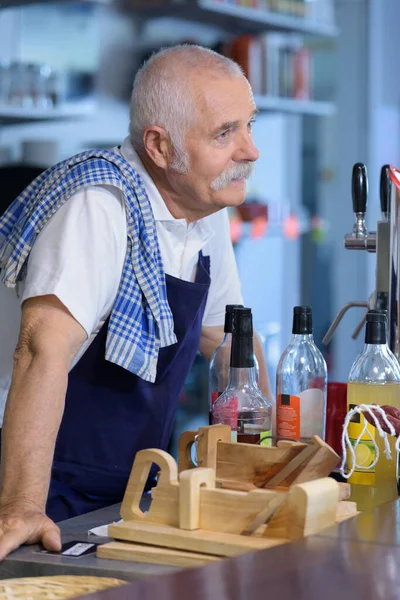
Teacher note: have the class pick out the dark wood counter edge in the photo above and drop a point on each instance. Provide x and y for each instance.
(358, 559)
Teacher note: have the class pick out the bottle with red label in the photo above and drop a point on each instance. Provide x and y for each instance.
(242, 405)
(220, 361)
(301, 383)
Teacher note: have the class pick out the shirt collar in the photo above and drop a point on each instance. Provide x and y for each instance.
(160, 211)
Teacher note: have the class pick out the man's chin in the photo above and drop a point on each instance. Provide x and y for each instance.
(230, 197)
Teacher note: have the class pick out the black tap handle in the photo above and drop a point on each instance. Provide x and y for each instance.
(359, 188)
(385, 188)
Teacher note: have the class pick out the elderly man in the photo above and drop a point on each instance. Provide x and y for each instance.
(123, 265)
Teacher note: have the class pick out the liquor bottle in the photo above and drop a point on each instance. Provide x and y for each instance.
(242, 405)
(301, 383)
(374, 379)
(218, 374)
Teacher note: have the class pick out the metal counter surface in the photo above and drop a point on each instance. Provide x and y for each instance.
(28, 561)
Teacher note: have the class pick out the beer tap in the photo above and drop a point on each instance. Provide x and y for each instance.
(361, 239)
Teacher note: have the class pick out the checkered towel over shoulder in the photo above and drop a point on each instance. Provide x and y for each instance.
(141, 321)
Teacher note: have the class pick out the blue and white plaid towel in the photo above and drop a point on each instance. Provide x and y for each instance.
(141, 321)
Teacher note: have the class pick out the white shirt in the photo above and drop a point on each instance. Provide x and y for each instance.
(79, 256)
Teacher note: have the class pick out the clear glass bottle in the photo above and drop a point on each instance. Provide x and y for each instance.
(301, 383)
(374, 379)
(242, 405)
(218, 373)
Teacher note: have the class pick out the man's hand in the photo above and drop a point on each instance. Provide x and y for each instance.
(392, 415)
(24, 523)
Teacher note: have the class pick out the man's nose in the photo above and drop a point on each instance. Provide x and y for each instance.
(246, 150)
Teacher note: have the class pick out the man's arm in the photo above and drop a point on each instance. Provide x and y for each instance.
(49, 339)
(211, 337)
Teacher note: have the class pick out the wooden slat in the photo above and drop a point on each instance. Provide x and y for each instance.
(344, 491)
(154, 555)
(298, 461)
(202, 541)
(252, 463)
(190, 485)
(265, 515)
(320, 465)
(144, 459)
(346, 510)
(309, 508)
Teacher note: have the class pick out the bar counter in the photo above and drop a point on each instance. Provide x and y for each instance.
(358, 559)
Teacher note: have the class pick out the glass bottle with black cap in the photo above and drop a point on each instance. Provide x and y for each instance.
(218, 373)
(242, 405)
(301, 383)
(374, 379)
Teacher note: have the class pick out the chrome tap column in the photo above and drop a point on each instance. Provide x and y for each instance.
(385, 242)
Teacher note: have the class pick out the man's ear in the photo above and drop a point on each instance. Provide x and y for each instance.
(157, 145)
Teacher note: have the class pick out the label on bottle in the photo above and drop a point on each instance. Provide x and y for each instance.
(265, 438)
(365, 450)
(288, 416)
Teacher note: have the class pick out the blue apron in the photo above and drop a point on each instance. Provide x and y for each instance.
(110, 414)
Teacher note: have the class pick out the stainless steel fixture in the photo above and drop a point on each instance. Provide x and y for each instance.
(384, 242)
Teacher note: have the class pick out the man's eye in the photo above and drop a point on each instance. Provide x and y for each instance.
(223, 135)
(250, 125)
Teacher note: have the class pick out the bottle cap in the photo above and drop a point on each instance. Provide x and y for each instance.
(242, 339)
(376, 328)
(377, 316)
(229, 316)
(243, 322)
(302, 320)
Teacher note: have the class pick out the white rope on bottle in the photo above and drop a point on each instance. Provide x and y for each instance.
(348, 446)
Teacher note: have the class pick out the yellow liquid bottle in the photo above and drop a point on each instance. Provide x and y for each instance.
(374, 379)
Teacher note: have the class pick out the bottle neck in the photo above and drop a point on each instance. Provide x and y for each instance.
(298, 338)
(227, 339)
(380, 348)
(242, 377)
(242, 356)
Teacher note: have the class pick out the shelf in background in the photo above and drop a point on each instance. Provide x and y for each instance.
(295, 106)
(16, 114)
(236, 19)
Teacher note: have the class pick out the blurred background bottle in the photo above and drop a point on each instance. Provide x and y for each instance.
(301, 383)
(374, 379)
(218, 374)
(242, 405)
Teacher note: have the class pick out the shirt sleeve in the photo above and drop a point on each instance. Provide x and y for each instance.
(79, 255)
(225, 284)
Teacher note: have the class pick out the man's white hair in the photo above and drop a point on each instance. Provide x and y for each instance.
(162, 94)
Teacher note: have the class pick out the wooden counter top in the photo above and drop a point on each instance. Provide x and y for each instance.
(358, 559)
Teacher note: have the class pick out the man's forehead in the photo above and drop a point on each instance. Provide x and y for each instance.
(227, 98)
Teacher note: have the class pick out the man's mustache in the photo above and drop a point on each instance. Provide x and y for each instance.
(241, 170)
